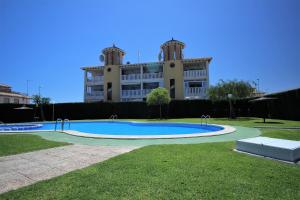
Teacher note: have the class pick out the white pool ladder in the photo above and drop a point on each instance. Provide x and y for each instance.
(64, 122)
(113, 117)
(204, 118)
(58, 120)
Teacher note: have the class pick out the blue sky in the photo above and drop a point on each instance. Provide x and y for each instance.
(47, 41)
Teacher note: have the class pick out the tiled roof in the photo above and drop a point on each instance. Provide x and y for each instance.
(11, 94)
(3, 85)
(114, 47)
(92, 67)
(140, 64)
(172, 41)
(191, 60)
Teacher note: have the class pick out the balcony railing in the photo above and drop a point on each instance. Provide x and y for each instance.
(130, 77)
(95, 79)
(146, 91)
(135, 93)
(195, 73)
(131, 93)
(152, 75)
(195, 91)
(95, 94)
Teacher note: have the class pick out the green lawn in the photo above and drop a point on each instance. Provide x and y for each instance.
(198, 171)
(284, 134)
(20, 143)
(243, 121)
(193, 171)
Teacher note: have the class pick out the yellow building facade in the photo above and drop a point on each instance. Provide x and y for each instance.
(115, 81)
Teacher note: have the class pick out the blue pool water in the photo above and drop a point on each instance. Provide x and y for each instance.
(132, 128)
(19, 127)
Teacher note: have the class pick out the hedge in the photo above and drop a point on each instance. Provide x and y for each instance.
(287, 106)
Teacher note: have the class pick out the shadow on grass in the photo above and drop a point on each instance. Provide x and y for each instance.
(236, 119)
(163, 119)
(269, 122)
(216, 119)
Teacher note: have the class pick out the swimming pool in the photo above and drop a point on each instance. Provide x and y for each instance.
(19, 127)
(137, 130)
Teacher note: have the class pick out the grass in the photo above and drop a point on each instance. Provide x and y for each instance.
(194, 171)
(283, 134)
(199, 171)
(20, 143)
(243, 121)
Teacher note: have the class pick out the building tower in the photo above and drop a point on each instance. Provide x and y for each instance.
(173, 67)
(113, 58)
(172, 50)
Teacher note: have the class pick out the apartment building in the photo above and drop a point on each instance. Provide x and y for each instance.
(9, 96)
(115, 81)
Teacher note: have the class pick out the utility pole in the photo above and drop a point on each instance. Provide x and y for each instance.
(40, 90)
(53, 115)
(27, 84)
(258, 85)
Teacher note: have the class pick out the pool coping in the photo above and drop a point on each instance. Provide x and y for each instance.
(226, 129)
(240, 133)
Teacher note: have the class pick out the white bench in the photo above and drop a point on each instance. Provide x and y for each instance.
(287, 150)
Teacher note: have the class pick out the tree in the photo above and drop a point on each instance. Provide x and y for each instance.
(158, 96)
(238, 89)
(40, 101)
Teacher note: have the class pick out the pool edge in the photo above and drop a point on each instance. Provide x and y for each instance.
(226, 130)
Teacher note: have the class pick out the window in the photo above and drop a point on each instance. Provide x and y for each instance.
(172, 88)
(131, 87)
(97, 88)
(88, 89)
(112, 58)
(195, 84)
(5, 100)
(195, 66)
(16, 101)
(152, 68)
(151, 85)
(172, 65)
(131, 71)
(109, 91)
(89, 75)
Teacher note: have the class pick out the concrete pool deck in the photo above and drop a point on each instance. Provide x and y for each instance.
(27, 168)
(240, 133)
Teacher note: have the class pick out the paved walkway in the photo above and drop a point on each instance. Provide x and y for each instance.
(24, 169)
(27, 168)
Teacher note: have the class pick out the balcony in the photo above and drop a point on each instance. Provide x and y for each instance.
(131, 93)
(95, 96)
(195, 92)
(152, 75)
(131, 77)
(137, 77)
(192, 74)
(146, 91)
(96, 80)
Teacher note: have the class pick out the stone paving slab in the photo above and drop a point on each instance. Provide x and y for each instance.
(27, 168)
